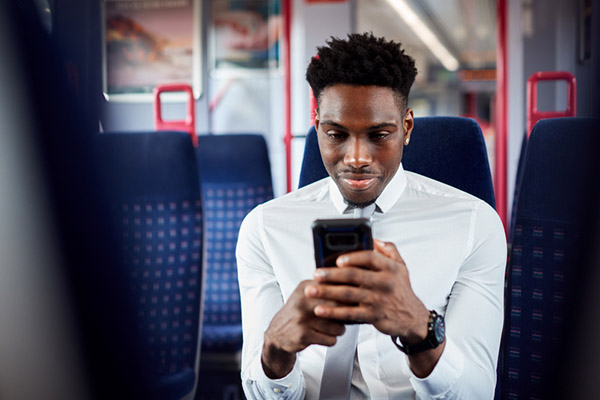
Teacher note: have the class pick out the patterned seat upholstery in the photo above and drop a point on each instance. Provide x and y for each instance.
(448, 149)
(157, 211)
(542, 274)
(236, 176)
(517, 188)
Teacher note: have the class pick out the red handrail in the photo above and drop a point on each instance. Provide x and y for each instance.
(212, 105)
(500, 178)
(287, 68)
(312, 103)
(188, 124)
(533, 114)
(313, 107)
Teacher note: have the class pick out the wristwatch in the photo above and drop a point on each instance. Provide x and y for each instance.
(436, 332)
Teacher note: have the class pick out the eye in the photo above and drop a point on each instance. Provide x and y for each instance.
(378, 135)
(336, 135)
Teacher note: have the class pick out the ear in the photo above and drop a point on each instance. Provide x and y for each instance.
(317, 118)
(408, 123)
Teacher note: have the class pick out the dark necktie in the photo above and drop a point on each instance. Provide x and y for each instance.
(339, 359)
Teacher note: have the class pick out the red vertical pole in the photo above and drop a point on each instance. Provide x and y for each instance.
(287, 138)
(312, 104)
(471, 100)
(501, 109)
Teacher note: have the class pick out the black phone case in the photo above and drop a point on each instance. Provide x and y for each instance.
(333, 237)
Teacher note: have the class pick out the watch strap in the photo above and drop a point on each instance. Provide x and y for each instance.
(430, 342)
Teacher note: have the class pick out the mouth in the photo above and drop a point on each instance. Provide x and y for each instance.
(358, 182)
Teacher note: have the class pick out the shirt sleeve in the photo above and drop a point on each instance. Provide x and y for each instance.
(474, 317)
(261, 299)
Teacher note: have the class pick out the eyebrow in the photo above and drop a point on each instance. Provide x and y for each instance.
(371, 128)
(335, 124)
(382, 125)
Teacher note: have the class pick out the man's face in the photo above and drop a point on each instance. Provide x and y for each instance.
(361, 132)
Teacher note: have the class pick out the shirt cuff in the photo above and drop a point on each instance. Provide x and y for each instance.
(445, 374)
(281, 388)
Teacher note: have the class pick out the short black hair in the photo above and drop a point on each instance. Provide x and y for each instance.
(362, 59)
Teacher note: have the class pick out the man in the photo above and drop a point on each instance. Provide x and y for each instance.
(441, 253)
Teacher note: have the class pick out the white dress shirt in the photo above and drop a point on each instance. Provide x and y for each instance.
(455, 251)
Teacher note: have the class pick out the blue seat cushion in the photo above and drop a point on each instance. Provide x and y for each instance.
(226, 205)
(235, 177)
(222, 338)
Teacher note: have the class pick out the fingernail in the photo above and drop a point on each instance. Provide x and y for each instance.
(341, 260)
(319, 311)
(310, 291)
(319, 273)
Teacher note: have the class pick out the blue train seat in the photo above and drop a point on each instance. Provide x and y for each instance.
(235, 175)
(551, 211)
(157, 211)
(517, 188)
(448, 149)
(64, 333)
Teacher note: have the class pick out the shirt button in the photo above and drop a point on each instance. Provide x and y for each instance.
(277, 390)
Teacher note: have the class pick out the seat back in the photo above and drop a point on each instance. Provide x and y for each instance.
(156, 207)
(549, 217)
(236, 176)
(517, 186)
(59, 338)
(448, 149)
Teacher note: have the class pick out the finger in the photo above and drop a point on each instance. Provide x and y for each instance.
(327, 326)
(388, 249)
(356, 314)
(344, 294)
(347, 275)
(322, 339)
(311, 293)
(366, 259)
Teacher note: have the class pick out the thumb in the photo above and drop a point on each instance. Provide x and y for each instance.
(388, 249)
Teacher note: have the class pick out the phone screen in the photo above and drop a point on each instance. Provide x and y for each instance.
(333, 237)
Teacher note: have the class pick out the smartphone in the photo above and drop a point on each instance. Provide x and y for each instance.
(333, 237)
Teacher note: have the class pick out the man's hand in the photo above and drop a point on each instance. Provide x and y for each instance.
(293, 329)
(376, 289)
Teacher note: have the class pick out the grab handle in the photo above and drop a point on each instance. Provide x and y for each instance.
(533, 115)
(188, 124)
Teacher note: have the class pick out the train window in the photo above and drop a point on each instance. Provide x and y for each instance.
(148, 43)
(244, 35)
(454, 46)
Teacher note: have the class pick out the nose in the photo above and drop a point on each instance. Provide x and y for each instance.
(358, 154)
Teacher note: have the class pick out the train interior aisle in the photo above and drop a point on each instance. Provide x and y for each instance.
(138, 134)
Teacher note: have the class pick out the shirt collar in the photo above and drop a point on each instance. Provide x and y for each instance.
(390, 195)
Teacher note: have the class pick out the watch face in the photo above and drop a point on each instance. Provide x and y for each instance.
(439, 329)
